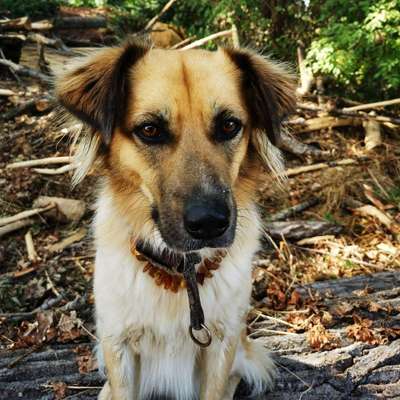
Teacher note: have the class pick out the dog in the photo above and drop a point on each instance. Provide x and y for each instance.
(182, 140)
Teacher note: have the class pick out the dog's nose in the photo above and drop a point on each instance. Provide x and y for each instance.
(206, 219)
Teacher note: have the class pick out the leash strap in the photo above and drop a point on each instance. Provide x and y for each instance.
(196, 310)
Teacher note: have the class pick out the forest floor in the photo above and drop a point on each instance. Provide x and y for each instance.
(47, 298)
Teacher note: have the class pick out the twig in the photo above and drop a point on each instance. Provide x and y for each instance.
(30, 247)
(206, 39)
(6, 92)
(55, 171)
(25, 71)
(25, 214)
(4, 230)
(182, 43)
(289, 212)
(292, 145)
(159, 15)
(372, 105)
(41, 161)
(51, 284)
(11, 70)
(315, 167)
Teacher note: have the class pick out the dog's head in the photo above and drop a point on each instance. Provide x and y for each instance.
(182, 134)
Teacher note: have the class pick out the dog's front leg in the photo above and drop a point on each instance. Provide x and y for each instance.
(216, 367)
(119, 365)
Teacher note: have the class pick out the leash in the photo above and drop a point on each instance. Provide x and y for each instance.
(187, 266)
(196, 310)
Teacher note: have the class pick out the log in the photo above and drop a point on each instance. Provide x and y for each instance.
(353, 370)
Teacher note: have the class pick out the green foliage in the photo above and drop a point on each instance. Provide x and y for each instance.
(354, 45)
(358, 45)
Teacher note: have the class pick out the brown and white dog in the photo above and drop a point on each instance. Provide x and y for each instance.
(181, 138)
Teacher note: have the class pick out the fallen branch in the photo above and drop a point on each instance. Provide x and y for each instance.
(159, 15)
(15, 24)
(206, 39)
(41, 161)
(372, 105)
(292, 145)
(296, 230)
(315, 124)
(291, 211)
(4, 230)
(315, 167)
(6, 92)
(25, 214)
(55, 171)
(25, 71)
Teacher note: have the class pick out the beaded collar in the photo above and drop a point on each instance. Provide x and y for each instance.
(166, 268)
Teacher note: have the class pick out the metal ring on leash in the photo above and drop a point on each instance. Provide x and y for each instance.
(197, 341)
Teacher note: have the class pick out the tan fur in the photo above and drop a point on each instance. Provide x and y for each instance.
(188, 89)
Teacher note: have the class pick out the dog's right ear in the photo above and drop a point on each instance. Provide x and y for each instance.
(96, 90)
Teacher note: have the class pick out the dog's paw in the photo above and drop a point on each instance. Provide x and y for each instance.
(255, 365)
(105, 393)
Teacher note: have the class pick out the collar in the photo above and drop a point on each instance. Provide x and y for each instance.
(166, 267)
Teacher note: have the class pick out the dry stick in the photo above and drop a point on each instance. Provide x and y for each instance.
(372, 105)
(30, 247)
(41, 161)
(315, 167)
(292, 145)
(159, 15)
(15, 226)
(25, 71)
(182, 43)
(289, 212)
(55, 171)
(25, 214)
(6, 92)
(11, 70)
(206, 39)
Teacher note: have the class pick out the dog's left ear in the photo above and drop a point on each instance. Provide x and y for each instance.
(268, 91)
(96, 90)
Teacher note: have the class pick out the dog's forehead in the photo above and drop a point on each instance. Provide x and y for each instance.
(179, 80)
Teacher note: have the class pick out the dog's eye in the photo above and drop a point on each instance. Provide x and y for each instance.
(151, 133)
(228, 129)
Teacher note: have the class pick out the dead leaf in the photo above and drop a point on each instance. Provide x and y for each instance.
(321, 339)
(59, 390)
(361, 331)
